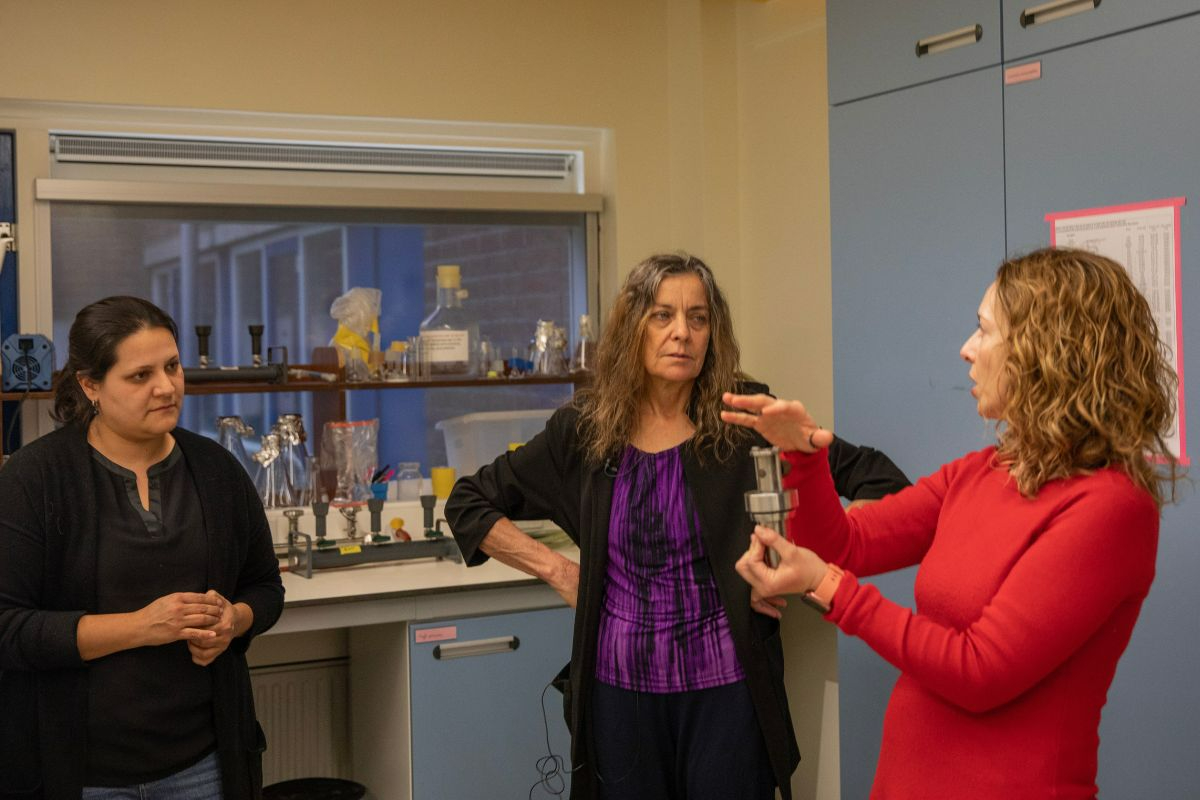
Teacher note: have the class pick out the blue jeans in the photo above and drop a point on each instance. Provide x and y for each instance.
(200, 781)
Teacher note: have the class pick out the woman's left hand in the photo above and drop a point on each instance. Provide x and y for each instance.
(784, 423)
(205, 651)
(799, 570)
(768, 606)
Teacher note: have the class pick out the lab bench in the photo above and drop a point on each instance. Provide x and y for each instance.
(415, 677)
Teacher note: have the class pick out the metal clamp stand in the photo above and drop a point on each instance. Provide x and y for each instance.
(770, 504)
(351, 515)
(299, 545)
(303, 558)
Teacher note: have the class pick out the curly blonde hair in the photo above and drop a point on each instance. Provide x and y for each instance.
(1087, 384)
(609, 408)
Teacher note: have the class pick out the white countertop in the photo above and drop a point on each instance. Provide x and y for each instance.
(410, 590)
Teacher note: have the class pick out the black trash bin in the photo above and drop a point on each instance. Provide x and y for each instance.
(314, 789)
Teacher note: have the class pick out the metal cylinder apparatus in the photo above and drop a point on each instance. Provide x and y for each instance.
(770, 504)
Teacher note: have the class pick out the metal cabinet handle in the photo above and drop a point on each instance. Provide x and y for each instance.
(1056, 9)
(476, 647)
(949, 40)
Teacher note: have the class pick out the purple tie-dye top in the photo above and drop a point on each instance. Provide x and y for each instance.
(663, 628)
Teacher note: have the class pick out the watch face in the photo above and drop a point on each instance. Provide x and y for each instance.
(813, 601)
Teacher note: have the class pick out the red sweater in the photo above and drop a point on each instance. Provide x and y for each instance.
(1023, 609)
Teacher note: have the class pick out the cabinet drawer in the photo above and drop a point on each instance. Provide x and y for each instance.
(1035, 26)
(874, 44)
(478, 687)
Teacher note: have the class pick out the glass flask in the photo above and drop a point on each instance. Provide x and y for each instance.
(230, 431)
(294, 455)
(269, 478)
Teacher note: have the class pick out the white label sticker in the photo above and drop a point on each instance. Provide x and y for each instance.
(445, 346)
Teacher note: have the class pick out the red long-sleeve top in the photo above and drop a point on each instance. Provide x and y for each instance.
(1024, 607)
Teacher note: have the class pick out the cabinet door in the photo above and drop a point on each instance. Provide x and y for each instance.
(917, 210)
(873, 44)
(478, 727)
(1045, 29)
(1106, 125)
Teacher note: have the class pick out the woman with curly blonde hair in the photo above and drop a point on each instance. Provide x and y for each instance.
(676, 684)
(1035, 555)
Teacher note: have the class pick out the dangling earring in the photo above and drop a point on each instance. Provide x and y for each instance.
(96, 406)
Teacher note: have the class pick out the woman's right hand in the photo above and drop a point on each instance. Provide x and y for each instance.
(179, 616)
(784, 423)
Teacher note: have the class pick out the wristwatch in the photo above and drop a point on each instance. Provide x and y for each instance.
(821, 598)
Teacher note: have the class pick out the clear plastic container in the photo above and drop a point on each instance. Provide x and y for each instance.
(473, 440)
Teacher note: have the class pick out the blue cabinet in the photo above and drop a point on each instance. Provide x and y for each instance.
(917, 210)
(874, 45)
(1106, 126)
(477, 700)
(930, 186)
(1034, 26)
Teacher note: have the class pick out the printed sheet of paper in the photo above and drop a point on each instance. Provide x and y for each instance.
(1144, 238)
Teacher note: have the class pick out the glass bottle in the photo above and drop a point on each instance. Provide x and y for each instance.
(585, 346)
(450, 335)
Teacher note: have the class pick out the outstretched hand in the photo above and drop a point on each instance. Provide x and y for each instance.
(784, 423)
(799, 570)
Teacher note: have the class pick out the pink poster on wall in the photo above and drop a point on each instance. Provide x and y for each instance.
(1144, 238)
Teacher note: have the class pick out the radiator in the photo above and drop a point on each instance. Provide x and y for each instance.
(303, 710)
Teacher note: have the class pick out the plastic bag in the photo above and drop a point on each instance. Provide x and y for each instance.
(351, 449)
(357, 314)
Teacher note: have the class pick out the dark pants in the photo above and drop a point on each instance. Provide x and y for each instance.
(700, 745)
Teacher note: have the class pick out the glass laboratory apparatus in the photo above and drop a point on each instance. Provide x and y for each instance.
(269, 478)
(230, 431)
(585, 346)
(450, 335)
(293, 452)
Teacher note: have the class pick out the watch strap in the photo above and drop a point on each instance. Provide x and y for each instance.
(821, 598)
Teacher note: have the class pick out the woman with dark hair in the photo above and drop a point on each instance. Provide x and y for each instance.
(1035, 554)
(135, 566)
(676, 686)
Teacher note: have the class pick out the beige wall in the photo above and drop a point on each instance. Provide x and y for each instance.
(715, 109)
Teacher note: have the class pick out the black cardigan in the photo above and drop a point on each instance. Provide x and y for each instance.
(48, 530)
(550, 478)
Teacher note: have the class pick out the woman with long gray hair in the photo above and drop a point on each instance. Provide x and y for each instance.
(676, 684)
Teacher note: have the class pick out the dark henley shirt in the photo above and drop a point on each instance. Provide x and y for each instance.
(149, 708)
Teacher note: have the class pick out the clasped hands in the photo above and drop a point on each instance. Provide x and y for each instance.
(207, 622)
(787, 425)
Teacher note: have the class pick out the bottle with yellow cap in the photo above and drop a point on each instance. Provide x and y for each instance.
(450, 335)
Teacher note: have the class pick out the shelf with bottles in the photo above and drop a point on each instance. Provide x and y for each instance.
(308, 385)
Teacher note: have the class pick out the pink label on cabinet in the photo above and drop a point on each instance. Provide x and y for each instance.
(437, 634)
(1022, 73)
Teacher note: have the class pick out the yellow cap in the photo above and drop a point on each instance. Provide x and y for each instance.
(448, 276)
(514, 445)
(398, 346)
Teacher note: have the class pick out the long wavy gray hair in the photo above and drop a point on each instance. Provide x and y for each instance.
(609, 408)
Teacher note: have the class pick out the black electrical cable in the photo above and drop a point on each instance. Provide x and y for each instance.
(550, 766)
